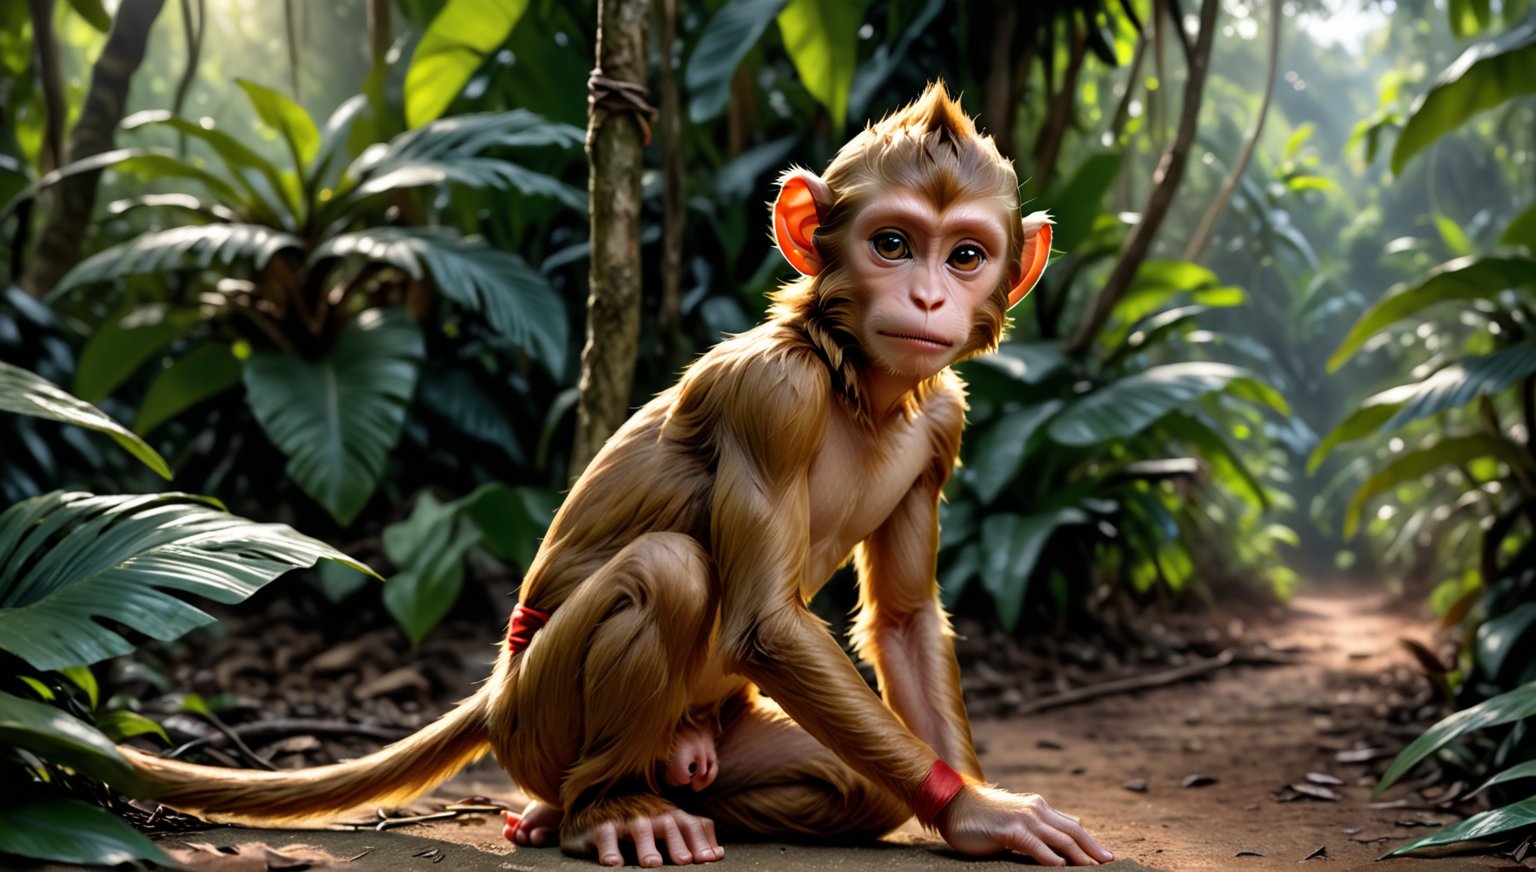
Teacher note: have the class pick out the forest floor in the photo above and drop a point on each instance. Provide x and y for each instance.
(1120, 762)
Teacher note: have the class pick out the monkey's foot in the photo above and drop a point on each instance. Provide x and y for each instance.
(646, 824)
(537, 827)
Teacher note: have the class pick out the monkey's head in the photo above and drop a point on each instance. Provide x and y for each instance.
(911, 242)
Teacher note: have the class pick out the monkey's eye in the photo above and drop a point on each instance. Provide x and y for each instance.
(891, 246)
(967, 258)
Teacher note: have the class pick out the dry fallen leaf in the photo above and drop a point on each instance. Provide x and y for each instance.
(1316, 792)
(1325, 779)
(1138, 785)
(1198, 780)
(1320, 854)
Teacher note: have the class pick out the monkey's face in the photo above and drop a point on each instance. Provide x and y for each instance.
(921, 273)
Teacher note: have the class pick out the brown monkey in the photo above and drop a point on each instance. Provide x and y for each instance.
(675, 576)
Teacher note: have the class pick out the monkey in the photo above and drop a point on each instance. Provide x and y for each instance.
(670, 592)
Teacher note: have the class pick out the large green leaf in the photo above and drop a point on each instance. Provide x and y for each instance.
(429, 548)
(206, 371)
(1522, 230)
(338, 418)
(71, 831)
(1010, 547)
(1507, 707)
(24, 393)
(513, 519)
(1502, 635)
(286, 117)
(58, 737)
(67, 559)
(1466, 380)
(165, 250)
(999, 451)
(1227, 466)
(239, 158)
(1479, 826)
(516, 299)
(822, 40)
(1157, 282)
(125, 342)
(726, 39)
(1128, 406)
(1416, 464)
(456, 43)
(1466, 278)
(1485, 75)
(1077, 203)
(1373, 412)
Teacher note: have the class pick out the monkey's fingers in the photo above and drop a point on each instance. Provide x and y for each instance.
(644, 838)
(1021, 840)
(1082, 842)
(605, 838)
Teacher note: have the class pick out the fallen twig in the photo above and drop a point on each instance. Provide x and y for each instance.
(1127, 685)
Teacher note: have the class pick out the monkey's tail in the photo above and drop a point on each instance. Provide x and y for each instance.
(391, 776)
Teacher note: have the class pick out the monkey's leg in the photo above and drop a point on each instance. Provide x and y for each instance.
(602, 687)
(777, 781)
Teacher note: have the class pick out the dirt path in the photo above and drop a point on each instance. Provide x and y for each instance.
(1253, 730)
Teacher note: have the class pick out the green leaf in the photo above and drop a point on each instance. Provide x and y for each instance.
(513, 519)
(1226, 465)
(238, 157)
(94, 13)
(1152, 330)
(1501, 635)
(1415, 464)
(1465, 278)
(60, 738)
(24, 393)
(1000, 449)
(429, 547)
(1485, 75)
(1373, 412)
(338, 418)
(1130, 405)
(1513, 773)
(424, 532)
(1077, 203)
(1010, 546)
(1464, 381)
(286, 117)
(1478, 827)
(516, 299)
(338, 582)
(71, 831)
(206, 371)
(165, 250)
(125, 342)
(1455, 239)
(455, 44)
(69, 559)
(81, 677)
(726, 39)
(1522, 230)
(823, 40)
(122, 725)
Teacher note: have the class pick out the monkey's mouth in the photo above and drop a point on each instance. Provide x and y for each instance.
(923, 338)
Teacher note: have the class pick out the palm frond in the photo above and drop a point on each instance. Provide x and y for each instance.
(26, 393)
(166, 250)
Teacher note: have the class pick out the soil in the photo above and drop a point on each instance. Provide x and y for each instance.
(1249, 731)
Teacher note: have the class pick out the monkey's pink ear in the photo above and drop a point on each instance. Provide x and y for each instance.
(1037, 250)
(796, 215)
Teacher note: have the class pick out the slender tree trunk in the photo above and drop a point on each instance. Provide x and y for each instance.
(1060, 117)
(1207, 226)
(1165, 184)
(69, 210)
(614, 143)
(378, 31)
(674, 205)
(998, 107)
(45, 48)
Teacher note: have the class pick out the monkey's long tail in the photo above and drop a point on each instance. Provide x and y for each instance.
(391, 776)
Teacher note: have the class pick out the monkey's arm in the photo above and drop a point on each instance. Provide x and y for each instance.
(902, 628)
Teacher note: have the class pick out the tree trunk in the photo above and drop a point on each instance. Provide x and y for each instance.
(1165, 184)
(69, 210)
(1224, 196)
(1060, 118)
(378, 31)
(998, 107)
(614, 142)
(45, 49)
(674, 204)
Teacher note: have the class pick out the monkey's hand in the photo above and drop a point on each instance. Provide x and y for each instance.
(688, 838)
(984, 820)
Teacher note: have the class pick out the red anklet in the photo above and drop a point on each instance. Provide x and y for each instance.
(937, 791)
(525, 622)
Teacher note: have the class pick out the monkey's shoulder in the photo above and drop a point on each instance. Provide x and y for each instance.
(763, 383)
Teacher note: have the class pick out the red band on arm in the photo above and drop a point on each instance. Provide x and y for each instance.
(937, 791)
(525, 622)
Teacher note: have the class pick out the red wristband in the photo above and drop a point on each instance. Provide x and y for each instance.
(937, 790)
(525, 622)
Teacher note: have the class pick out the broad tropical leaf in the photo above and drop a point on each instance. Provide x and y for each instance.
(513, 519)
(1466, 380)
(1479, 826)
(338, 418)
(1027, 362)
(129, 338)
(1513, 773)
(1000, 449)
(429, 548)
(1226, 465)
(1151, 330)
(1503, 634)
(1157, 282)
(1130, 405)
(515, 299)
(1077, 202)
(71, 831)
(58, 737)
(1373, 412)
(477, 172)
(67, 559)
(165, 250)
(239, 158)
(1485, 75)
(204, 372)
(1010, 547)
(456, 43)
(1466, 278)
(287, 118)
(1415, 464)
(24, 393)
(726, 39)
(822, 41)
